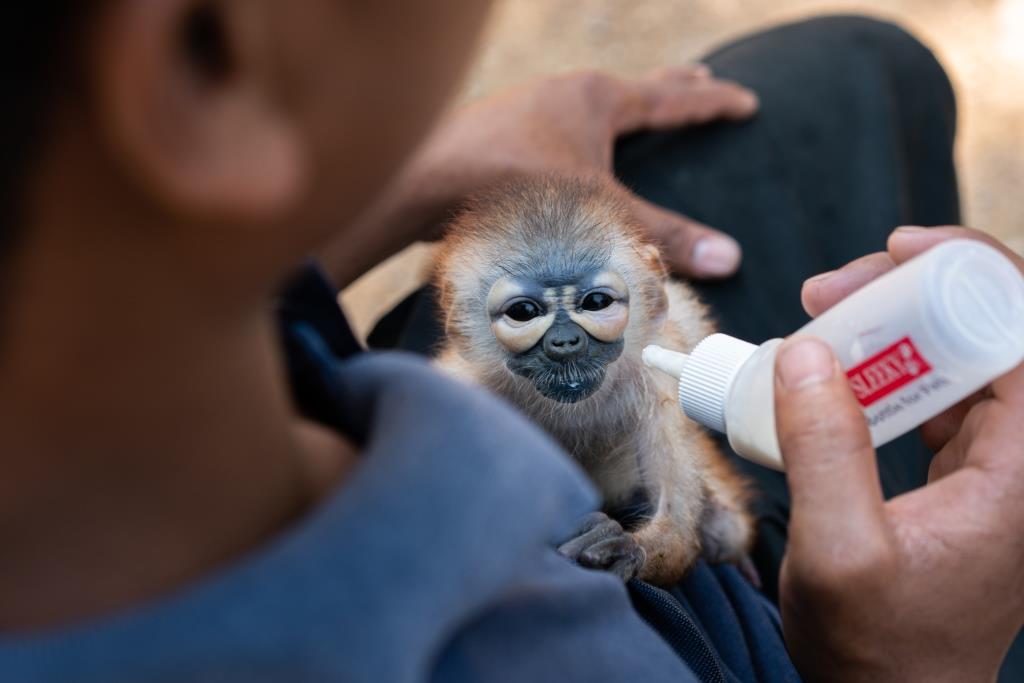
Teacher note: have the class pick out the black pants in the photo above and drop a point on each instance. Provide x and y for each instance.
(855, 137)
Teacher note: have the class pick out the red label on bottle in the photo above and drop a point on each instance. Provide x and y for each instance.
(887, 371)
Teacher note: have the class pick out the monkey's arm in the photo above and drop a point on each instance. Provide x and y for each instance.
(671, 539)
(727, 527)
(701, 507)
(666, 540)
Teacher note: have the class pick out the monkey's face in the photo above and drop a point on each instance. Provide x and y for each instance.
(561, 333)
(550, 293)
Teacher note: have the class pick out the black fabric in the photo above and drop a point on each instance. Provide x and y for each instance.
(309, 301)
(854, 138)
(666, 615)
(414, 325)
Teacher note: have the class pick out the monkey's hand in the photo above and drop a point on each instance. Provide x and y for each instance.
(602, 543)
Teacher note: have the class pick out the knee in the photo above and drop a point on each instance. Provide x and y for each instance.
(899, 51)
(904, 59)
(863, 32)
(857, 29)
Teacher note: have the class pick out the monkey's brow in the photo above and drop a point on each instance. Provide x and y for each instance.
(537, 275)
(508, 270)
(554, 263)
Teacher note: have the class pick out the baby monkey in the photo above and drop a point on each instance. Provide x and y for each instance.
(550, 295)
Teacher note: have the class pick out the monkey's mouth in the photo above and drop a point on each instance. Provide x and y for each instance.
(566, 382)
(570, 383)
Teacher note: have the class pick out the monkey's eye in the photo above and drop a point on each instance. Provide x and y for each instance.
(523, 311)
(596, 301)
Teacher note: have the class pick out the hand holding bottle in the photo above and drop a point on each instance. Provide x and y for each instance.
(912, 343)
(928, 586)
(825, 291)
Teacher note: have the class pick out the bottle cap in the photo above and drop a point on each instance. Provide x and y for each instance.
(978, 307)
(707, 377)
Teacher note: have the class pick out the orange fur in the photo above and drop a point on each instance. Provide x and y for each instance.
(630, 435)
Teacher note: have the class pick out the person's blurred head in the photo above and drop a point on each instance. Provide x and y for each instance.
(230, 132)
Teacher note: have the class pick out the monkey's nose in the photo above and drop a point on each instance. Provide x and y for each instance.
(564, 344)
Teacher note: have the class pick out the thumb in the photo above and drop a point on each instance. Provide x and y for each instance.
(830, 463)
(689, 248)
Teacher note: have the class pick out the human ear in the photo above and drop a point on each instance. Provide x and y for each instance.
(186, 96)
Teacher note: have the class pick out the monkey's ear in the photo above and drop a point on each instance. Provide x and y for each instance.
(651, 256)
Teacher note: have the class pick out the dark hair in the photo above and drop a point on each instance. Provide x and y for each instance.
(38, 47)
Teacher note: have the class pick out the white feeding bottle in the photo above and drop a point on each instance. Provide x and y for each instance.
(913, 343)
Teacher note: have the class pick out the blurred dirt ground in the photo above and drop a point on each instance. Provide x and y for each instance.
(981, 43)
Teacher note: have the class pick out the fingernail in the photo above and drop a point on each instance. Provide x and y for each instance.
(819, 278)
(701, 71)
(804, 363)
(716, 256)
(910, 229)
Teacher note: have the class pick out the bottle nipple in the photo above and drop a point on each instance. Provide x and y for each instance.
(669, 362)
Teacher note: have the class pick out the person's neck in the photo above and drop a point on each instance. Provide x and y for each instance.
(148, 434)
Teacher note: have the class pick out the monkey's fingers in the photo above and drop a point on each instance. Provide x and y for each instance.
(620, 555)
(595, 528)
(628, 568)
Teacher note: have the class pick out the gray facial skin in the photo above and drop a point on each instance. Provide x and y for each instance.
(567, 365)
(561, 329)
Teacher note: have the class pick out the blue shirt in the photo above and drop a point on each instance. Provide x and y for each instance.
(435, 561)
